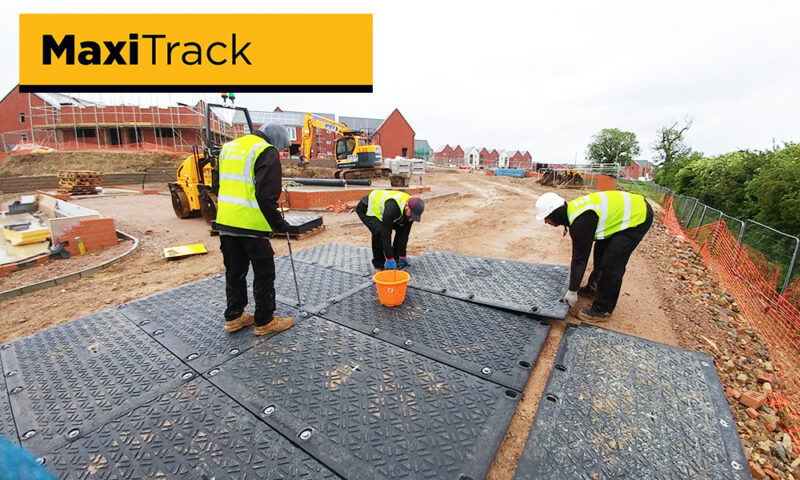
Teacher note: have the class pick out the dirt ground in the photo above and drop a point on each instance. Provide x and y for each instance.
(485, 216)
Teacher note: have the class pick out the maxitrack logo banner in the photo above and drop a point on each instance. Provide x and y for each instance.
(195, 52)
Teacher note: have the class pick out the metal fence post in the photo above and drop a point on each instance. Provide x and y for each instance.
(702, 216)
(689, 220)
(791, 267)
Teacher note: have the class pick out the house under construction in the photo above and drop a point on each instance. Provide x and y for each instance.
(32, 121)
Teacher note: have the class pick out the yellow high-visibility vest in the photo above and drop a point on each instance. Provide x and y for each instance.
(377, 202)
(236, 203)
(616, 211)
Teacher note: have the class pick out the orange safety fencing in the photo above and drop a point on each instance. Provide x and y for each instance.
(773, 315)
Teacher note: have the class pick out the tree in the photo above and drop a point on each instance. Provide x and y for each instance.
(669, 144)
(775, 190)
(612, 145)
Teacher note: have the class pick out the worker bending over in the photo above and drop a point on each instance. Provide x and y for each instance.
(247, 211)
(383, 211)
(616, 222)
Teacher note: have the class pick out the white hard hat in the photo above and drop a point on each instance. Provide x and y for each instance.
(546, 204)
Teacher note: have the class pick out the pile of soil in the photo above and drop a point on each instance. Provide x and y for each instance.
(96, 161)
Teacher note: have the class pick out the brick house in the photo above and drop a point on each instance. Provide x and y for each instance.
(458, 156)
(64, 122)
(639, 169)
(443, 155)
(395, 136)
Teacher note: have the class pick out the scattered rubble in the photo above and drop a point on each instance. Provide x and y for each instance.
(742, 358)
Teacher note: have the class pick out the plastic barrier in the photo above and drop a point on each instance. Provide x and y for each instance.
(775, 318)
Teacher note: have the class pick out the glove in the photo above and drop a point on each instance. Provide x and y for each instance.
(390, 264)
(281, 227)
(571, 298)
(402, 262)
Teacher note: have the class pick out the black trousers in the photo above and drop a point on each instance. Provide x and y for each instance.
(376, 229)
(238, 253)
(611, 257)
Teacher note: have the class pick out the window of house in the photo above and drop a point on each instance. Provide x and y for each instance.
(85, 132)
(134, 135)
(165, 132)
(24, 137)
(113, 136)
(21, 118)
(292, 133)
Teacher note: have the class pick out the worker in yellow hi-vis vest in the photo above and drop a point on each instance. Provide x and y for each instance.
(383, 211)
(247, 212)
(615, 222)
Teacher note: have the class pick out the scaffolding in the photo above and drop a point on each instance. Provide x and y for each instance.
(64, 122)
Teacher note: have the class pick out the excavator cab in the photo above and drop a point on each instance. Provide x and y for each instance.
(354, 151)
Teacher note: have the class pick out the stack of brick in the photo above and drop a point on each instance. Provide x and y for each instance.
(95, 234)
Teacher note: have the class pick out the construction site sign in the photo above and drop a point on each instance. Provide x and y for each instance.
(194, 52)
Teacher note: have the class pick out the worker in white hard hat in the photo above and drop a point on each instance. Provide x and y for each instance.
(615, 222)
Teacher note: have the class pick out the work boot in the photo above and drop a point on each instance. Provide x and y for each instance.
(239, 322)
(588, 290)
(592, 315)
(278, 324)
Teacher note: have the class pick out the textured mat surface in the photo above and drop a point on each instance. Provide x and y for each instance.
(338, 256)
(191, 432)
(524, 287)
(74, 377)
(367, 409)
(317, 284)
(7, 427)
(189, 321)
(494, 344)
(617, 406)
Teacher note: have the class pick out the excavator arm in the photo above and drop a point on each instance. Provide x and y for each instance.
(312, 122)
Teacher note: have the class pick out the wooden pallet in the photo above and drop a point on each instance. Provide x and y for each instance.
(79, 182)
(313, 231)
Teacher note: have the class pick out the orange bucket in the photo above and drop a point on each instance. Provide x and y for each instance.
(391, 285)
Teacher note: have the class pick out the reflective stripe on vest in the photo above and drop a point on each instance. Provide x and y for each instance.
(236, 203)
(616, 211)
(377, 202)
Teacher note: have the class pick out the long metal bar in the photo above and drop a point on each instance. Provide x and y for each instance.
(291, 257)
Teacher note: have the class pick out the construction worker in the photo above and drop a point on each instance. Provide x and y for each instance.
(247, 211)
(383, 211)
(616, 222)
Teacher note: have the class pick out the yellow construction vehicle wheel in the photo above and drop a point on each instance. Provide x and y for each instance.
(180, 203)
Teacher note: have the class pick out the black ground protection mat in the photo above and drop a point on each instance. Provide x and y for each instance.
(302, 223)
(617, 406)
(74, 377)
(189, 321)
(7, 427)
(339, 256)
(368, 409)
(317, 284)
(192, 432)
(498, 345)
(519, 286)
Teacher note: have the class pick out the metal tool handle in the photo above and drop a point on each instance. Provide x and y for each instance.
(289, 243)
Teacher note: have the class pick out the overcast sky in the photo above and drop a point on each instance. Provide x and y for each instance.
(541, 76)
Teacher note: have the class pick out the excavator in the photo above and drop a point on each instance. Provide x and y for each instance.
(356, 157)
(194, 191)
